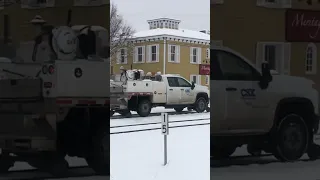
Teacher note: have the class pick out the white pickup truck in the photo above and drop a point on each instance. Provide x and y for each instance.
(172, 91)
(267, 112)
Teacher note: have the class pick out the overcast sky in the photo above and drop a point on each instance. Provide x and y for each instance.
(194, 14)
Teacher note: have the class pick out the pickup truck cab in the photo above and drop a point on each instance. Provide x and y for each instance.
(255, 107)
(171, 91)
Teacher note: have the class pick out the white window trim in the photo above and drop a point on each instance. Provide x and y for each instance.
(279, 4)
(26, 4)
(216, 1)
(136, 55)
(198, 78)
(177, 54)
(207, 77)
(198, 55)
(119, 56)
(284, 55)
(314, 59)
(149, 53)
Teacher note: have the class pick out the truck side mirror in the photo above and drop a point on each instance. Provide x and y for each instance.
(192, 85)
(266, 76)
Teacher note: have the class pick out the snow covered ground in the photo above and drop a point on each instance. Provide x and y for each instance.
(267, 168)
(139, 155)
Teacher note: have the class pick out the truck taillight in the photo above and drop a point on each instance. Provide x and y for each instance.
(51, 69)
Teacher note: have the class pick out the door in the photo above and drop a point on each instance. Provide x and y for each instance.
(173, 91)
(187, 94)
(218, 97)
(240, 88)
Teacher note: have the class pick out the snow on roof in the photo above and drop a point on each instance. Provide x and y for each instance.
(173, 32)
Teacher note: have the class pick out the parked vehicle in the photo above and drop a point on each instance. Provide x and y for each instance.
(171, 91)
(56, 105)
(267, 111)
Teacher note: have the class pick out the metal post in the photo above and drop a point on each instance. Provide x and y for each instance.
(165, 132)
(165, 150)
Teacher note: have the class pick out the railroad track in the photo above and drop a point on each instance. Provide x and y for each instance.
(152, 126)
(79, 172)
(151, 115)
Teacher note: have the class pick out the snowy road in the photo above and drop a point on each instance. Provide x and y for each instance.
(139, 154)
(265, 168)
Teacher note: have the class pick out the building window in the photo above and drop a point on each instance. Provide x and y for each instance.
(122, 56)
(207, 79)
(139, 54)
(195, 55)
(270, 56)
(173, 53)
(277, 54)
(153, 53)
(311, 59)
(195, 78)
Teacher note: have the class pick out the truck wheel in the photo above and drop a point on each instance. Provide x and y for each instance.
(222, 153)
(200, 105)
(291, 138)
(99, 156)
(111, 113)
(144, 108)
(178, 109)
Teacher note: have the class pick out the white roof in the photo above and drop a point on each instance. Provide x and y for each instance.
(173, 32)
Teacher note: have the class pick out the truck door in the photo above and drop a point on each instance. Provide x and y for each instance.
(239, 78)
(218, 121)
(187, 95)
(173, 91)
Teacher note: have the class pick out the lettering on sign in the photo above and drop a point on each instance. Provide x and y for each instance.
(248, 93)
(204, 69)
(302, 25)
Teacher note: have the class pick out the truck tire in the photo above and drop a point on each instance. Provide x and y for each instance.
(201, 105)
(291, 138)
(144, 108)
(179, 109)
(99, 156)
(111, 113)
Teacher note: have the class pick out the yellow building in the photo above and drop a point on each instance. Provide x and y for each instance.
(284, 33)
(55, 12)
(168, 49)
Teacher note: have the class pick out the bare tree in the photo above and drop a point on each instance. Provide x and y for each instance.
(120, 33)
